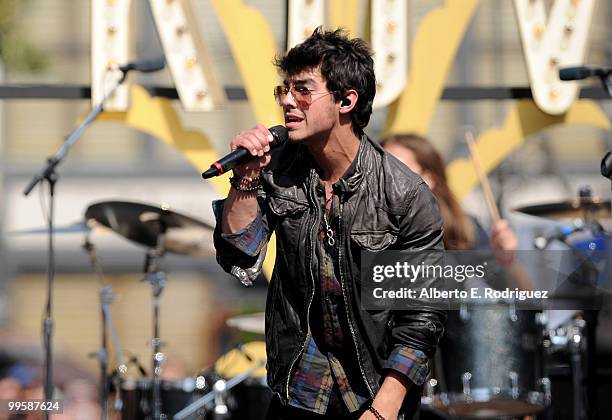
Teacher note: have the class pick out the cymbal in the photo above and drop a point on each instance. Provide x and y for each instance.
(241, 359)
(143, 223)
(579, 208)
(253, 323)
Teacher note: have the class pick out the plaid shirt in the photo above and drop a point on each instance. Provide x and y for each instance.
(328, 351)
(329, 357)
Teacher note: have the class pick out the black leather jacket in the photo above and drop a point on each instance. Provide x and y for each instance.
(383, 205)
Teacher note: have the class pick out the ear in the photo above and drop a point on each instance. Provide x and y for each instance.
(348, 102)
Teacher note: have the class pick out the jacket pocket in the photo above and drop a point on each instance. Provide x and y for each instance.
(374, 240)
(285, 205)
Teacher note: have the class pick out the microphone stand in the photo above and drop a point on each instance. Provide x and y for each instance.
(49, 175)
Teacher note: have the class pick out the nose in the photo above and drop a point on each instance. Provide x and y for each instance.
(288, 100)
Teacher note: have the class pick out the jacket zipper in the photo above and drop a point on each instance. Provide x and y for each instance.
(346, 303)
(297, 356)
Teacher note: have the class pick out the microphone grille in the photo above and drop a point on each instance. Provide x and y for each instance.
(280, 134)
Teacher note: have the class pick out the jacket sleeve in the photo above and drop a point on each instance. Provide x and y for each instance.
(242, 253)
(416, 330)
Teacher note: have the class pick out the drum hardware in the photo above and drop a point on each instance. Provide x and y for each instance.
(430, 391)
(157, 280)
(567, 337)
(576, 347)
(218, 388)
(464, 315)
(106, 300)
(465, 379)
(545, 385)
(571, 338)
(584, 237)
(220, 407)
(160, 230)
(512, 312)
(118, 401)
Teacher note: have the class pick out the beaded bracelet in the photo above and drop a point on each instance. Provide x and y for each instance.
(375, 412)
(245, 184)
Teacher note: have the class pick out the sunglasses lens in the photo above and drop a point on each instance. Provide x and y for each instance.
(279, 94)
(302, 98)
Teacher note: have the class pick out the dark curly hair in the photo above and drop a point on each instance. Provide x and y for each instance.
(344, 63)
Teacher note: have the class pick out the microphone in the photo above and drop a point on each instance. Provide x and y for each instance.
(144, 66)
(582, 72)
(242, 155)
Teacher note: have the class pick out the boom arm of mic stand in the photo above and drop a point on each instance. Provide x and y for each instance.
(71, 140)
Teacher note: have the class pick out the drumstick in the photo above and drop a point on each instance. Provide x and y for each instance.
(482, 176)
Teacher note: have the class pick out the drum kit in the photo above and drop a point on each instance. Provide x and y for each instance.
(233, 389)
(494, 361)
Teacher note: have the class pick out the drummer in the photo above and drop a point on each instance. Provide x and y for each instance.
(462, 232)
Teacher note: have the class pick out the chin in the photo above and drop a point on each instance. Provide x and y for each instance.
(295, 136)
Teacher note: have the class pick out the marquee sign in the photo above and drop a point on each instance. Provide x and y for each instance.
(547, 44)
(559, 41)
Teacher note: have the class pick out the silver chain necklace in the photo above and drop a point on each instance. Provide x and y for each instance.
(329, 233)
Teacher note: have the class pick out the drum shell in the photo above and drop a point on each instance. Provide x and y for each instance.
(249, 400)
(175, 395)
(489, 346)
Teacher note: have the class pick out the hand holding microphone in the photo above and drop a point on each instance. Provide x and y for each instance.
(250, 152)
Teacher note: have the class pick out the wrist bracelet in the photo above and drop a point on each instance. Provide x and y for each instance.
(375, 412)
(245, 184)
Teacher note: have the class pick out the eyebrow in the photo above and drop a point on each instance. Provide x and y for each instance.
(299, 82)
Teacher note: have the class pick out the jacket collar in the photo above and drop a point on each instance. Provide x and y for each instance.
(349, 183)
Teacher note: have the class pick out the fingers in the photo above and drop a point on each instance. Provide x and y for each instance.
(256, 140)
(503, 237)
(500, 225)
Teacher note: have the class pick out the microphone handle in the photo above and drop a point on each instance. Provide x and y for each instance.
(236, 158)
(228, 162)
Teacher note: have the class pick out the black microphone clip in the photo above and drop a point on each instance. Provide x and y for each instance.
(144, 66)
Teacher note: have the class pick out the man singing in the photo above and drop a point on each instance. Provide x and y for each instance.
(328, 194)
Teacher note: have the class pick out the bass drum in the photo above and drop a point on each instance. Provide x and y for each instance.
(488, 364)
(135, 395)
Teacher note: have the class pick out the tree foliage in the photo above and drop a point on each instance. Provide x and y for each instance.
(15, 50)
